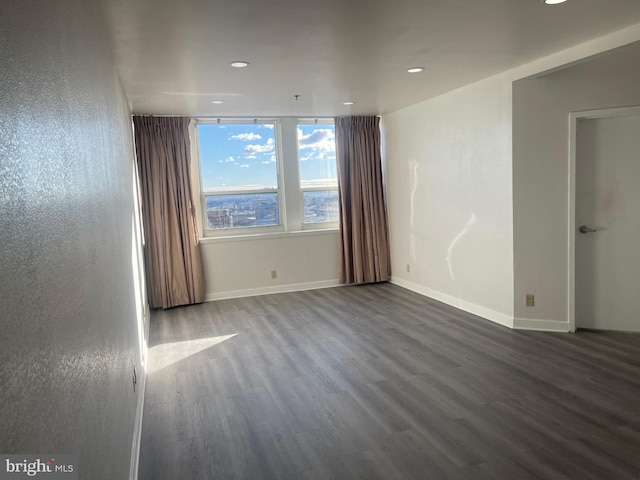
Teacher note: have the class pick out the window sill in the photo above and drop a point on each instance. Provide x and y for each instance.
(268, 236)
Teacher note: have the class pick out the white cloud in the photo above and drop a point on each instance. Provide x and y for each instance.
(246, 137)
(229, 160)
(253, 149)
(321, 140)
(250, 157)
(266, 125)
(244, 165)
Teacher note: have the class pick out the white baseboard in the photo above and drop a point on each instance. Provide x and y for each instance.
(142, 385)
(541, 325)
(252, 292)
(479, 310)
(137, 427)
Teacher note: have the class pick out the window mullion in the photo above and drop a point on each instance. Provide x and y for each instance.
(291, 174)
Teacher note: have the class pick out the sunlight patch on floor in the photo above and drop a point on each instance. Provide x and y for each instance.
(167, 354)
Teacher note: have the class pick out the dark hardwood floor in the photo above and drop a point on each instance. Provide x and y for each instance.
(377, 382)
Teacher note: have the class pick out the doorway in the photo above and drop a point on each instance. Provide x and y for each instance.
(605, 220)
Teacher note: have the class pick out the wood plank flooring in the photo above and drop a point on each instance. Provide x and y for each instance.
(377, 382)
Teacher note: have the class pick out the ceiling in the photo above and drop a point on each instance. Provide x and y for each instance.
(173, 56)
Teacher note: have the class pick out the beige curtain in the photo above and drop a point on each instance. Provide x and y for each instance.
(364, 236)
(172, 254)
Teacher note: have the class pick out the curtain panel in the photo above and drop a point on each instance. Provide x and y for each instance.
(172, 255)
(364, 234)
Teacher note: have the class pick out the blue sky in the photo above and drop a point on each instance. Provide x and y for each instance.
(244, 155)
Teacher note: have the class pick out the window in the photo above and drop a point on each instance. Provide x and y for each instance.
(262, 176)
(239, 175)
(318, 179)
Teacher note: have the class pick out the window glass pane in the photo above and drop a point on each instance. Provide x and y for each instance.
(237, 156)
(242, 210)
(317, 155)
(320, 206)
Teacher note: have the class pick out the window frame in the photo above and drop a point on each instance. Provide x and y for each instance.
(203, 194)
(289, 189)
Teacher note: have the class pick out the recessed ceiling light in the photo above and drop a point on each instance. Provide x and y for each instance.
(554, 2)
(217, 101)
(239, 64)
(348, 103)
(415, 69)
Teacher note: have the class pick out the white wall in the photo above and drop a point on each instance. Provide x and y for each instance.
(70, 318)
(242, 266)
(448, 164)
(448, 174)
(541, 172)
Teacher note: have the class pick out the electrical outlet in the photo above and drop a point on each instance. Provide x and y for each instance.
(530, 300)
(408, 268)
(274, 274)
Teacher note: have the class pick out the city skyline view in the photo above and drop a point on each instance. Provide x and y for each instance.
(261, 209)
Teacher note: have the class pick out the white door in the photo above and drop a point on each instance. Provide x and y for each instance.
(607, 260)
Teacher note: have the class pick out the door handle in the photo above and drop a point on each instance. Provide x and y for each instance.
(585, 229)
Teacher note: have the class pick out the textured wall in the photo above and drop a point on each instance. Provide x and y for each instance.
(68, 317)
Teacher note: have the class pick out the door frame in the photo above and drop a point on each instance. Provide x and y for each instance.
(574, 117)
